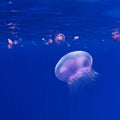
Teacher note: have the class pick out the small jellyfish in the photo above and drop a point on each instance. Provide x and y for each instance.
(49, 42)
(60, 38)
(76, 37)
(75, 68)
(10, 43)
(116, 35)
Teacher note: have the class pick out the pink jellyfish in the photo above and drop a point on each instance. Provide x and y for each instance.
(75, 67)
(60, 38)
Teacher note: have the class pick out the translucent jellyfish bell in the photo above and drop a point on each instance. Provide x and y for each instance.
(75, 67)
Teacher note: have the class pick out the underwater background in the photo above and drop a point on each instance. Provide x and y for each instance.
(29, 89)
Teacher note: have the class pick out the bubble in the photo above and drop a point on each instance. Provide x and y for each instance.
(75, 68)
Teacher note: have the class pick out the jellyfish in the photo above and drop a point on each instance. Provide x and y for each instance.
(60, 38)
(75, 68)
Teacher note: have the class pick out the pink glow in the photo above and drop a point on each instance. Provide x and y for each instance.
(60, 38)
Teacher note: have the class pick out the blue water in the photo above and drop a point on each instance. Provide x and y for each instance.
(29, 89)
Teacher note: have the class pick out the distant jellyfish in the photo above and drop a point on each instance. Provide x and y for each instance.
(75, 68)
(10, 43)
(60, 38)
(116, 35)
(76, 37)
(49, 42)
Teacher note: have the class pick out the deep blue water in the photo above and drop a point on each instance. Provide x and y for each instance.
(29, 89)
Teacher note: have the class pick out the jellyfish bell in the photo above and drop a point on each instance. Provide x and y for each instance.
(75, 68)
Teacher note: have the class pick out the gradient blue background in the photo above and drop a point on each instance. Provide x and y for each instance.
(29, 89)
